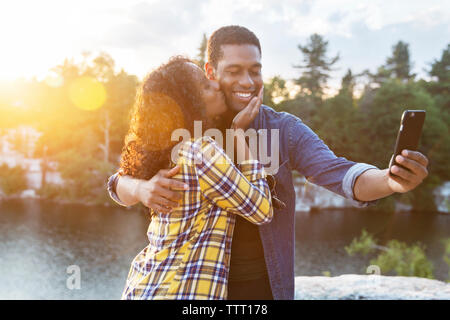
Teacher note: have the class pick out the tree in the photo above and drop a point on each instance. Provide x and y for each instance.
(439, 87)
(441, 68)
(275, 91)
(348, 84)
(201, 55)
(398, 66)
(316, 66)
(12, 180)
(337, 120)
(399, 63)
(86, 144)
(380, 123)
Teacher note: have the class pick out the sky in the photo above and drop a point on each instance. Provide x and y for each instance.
(38, 35)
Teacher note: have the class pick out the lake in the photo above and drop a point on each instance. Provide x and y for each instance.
(40, 240)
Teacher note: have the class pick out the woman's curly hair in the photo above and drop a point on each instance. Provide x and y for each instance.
(169, 98)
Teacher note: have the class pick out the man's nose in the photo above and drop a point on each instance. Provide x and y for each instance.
(246, 81)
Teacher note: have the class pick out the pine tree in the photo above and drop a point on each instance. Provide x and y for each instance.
(200, 59)
(316, 66)
(399, 64)
(441, 68)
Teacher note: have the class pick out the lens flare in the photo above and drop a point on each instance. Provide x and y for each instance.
(87, 93)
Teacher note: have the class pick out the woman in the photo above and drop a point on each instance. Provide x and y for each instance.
(189, 248)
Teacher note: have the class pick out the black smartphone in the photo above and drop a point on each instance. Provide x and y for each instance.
(409, 134)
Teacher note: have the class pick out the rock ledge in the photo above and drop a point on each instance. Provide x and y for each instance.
(370, 287)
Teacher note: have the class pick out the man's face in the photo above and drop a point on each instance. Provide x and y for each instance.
(239, 74)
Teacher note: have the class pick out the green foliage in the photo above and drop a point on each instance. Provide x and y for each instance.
(12, 180)
(326, 273)
(84, 175)
(446, 258)
(397, 256)
(275, 91)
(336, 121)
(316, 66)
(200, 59)
(51, 191)
(409, 261)
(365, 244)
(87, 144)
(441, 68)
(303, 107)
(399, 64)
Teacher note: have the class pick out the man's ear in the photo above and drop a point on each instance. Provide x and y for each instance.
(210, 72)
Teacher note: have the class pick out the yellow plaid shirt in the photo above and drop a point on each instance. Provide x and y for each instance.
(188, 254)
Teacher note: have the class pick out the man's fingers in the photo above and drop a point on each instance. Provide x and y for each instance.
(170, 173)
(400, 184)
(169, 194)
(416, 156)
(172, 184)
(160, 208)
(404, 174)
(412, 165)
(166, 202)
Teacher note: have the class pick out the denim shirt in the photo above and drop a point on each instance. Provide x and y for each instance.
(302, 150)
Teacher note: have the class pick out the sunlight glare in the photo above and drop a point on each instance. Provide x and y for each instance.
(87, 93)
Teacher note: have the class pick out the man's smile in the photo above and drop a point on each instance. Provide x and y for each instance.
(243, 96)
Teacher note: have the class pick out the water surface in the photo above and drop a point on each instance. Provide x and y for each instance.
(39, 240)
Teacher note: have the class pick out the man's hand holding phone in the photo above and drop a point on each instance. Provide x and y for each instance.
(408, 167)
(411, 175)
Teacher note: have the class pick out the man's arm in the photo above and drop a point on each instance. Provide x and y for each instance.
(360, 182)
(311, 157)
(375, 184)
(158, 193)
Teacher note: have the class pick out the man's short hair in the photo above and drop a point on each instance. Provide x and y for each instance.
(229, 35)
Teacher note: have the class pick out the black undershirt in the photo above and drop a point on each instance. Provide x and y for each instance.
(247, 253)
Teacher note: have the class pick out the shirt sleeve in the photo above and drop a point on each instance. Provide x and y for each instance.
(245, 192)
(111, 186)
(310, 156)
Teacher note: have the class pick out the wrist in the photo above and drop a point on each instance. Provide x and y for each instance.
(136, 188)
(234, 125)
(386, 179)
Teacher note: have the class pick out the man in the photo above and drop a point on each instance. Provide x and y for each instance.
(262, 257)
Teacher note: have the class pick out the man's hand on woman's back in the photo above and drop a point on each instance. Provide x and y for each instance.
(160, 193)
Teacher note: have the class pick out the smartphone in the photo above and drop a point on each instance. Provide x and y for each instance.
(409, 134)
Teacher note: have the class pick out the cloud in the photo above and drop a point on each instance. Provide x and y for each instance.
(142, 34)
(160, 23)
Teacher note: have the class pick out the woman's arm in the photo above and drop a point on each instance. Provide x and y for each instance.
(222, 182)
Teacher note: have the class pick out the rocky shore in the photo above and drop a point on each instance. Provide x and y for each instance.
(370, 287)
